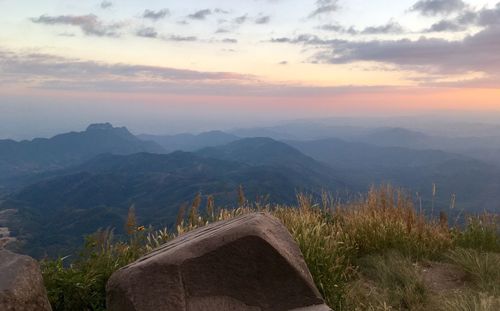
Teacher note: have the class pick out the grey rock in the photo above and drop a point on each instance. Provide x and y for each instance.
(21, 284)
(249, 263)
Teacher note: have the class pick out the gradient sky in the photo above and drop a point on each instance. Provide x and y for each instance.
(167, 66)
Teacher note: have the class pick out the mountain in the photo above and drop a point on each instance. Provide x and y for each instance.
(347, 154)
(190, 142)
(484, 148)
(269, 152)
(270, 132)
(54, 214)
(475, 183)
(396, 136)
(64, 150)
(303, 130)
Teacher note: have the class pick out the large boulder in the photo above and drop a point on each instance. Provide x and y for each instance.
(21, 284)
(247, 263)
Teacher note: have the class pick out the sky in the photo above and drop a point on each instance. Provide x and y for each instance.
(172, 66)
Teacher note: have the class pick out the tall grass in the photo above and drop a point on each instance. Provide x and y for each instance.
(481, 232)
(387, 220)
(482, 268)
(367, 246)
(328, 250)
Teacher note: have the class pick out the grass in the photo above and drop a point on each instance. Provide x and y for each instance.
(362, 255)
(482, 268)
(470, 301)
(481, 233)
(82, 284)
(387, 220)
(398, 281)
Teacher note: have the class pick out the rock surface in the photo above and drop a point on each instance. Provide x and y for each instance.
(21, 284)
(247, 263)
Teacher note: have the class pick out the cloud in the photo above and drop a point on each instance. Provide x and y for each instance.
(389, 28)
(306, 39)
(433, 57)
(438, 7)
(178, 38)
(222, 30)
(42, 67)
(221, 11)
(446, 26)
(200, 15)
(240, 19)
(150, 32)
(485, 17)
(229, 40)
(475, 53)
(106, 4)
(263, 20)
(147, 32)
(488, 17)
(156, 15)
(89, 24)
(42, 71)
(324, 6)
(338, 28)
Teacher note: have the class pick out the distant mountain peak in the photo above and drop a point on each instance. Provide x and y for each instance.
(100, 127)
(400, 131)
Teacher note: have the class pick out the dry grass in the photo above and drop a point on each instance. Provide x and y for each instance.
(469, 301)
(482, 268)
(388, 281)
(387, 220)
(361, 255)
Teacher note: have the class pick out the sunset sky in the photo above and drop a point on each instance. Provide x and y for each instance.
(232, 62)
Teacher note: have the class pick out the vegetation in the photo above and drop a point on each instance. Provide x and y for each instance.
(372, 254)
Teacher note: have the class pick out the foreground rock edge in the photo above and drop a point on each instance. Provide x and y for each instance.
(21, 284)
(250, 262)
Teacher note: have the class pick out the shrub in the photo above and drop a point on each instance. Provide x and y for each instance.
(81, 285)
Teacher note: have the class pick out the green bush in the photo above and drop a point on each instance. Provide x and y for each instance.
(81, 285)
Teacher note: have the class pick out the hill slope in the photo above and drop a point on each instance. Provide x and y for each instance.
(266, 151)
(98, 193)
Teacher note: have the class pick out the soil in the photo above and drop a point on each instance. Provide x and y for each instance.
(441, 277)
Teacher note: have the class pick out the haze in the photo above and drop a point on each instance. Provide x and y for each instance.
(169, 67)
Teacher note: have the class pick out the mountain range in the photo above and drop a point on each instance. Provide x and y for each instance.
(19, 159)
(57, 190)
(475, 183)
(190, 142)
(53, 214)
